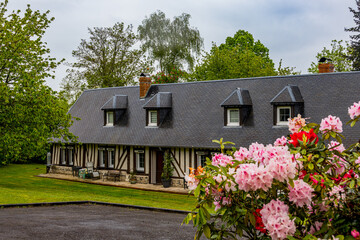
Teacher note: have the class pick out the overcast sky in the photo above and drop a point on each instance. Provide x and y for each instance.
(293, 30)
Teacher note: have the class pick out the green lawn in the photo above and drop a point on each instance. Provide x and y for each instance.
(19, 184)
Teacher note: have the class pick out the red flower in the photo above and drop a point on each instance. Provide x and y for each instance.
(259, 225)
(309, 136)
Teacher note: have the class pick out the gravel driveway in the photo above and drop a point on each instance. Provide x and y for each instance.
(91, 222)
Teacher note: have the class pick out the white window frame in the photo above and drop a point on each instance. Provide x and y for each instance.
(228, 117)
(282, 123)
(150, 123)
(108, 123)
(137, 156)
(111, 157)
(101, 157)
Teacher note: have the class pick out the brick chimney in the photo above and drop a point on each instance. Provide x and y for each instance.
(145, 83)
(326, 67)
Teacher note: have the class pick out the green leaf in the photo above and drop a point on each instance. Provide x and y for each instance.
(187, 219)
(291, 182)
(207, 231)
(252, 219)
(311, 166)
(352, 183)
(197, 191)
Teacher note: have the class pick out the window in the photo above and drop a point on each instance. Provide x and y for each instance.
(233, 117)
(63, 156)
(110, 118)
(201, 159)
(140, 160)
(283, 113)
(111, 157)
(102, 157)
(153, 118)
(70, 155)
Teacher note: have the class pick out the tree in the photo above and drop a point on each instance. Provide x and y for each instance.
(355, 39)
(339, 54)
(171, 43)
(239, 57)
(31, 113)
(107, 59)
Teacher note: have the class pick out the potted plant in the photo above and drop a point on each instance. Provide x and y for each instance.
(167, 170)
(132, 178)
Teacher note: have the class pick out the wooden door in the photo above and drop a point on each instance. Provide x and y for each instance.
(159, 165)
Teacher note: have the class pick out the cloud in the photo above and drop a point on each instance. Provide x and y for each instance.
(293, 30)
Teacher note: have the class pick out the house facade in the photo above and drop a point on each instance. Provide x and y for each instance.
(130, 128)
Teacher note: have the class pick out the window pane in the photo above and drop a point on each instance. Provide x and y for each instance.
(63, 156)
(70, 157)
(111, 158)
(234, 115)
(284, 114)
(101, 158)
(153, 117)
(140, 161)
(203, 160)
(110, 118)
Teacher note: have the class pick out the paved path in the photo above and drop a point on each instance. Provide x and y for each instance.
(91, 222)
(148, 187)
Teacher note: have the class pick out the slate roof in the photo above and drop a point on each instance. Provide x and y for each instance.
(197, 116)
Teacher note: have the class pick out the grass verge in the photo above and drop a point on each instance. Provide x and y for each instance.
(19, 184)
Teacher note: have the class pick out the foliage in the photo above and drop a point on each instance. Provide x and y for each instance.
(107, 59)
(239, 57)
(172, 77)
(171, 43)
(355, 39)
(285, 71)
(20, 184)
(302, 187)
(30, 112)
(168, 166)
(339, 54)
(231, 63)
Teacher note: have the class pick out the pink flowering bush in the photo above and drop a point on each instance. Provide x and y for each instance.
(304, 186)
(331, 123)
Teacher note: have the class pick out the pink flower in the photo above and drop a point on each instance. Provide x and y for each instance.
(355, 234)
(279, 163)
(242, 154)
(275, 216)
(250, 177)
(339, 147)
(296, 123)
(221, 159)
(192, 182)
(256, 152)
(301, 193)
(354, 110)
(280, 141)
(317, 226)
(331, 123)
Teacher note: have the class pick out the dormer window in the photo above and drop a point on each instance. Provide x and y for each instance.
(233, 117)
(287, 104)
(237, 108)
(115, 111)
(152, 117)
(283, 113)
(158, 110)
(109, 118)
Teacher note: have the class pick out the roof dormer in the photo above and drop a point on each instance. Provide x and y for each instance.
(237, 107)
(158, 109)
(115, 110)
